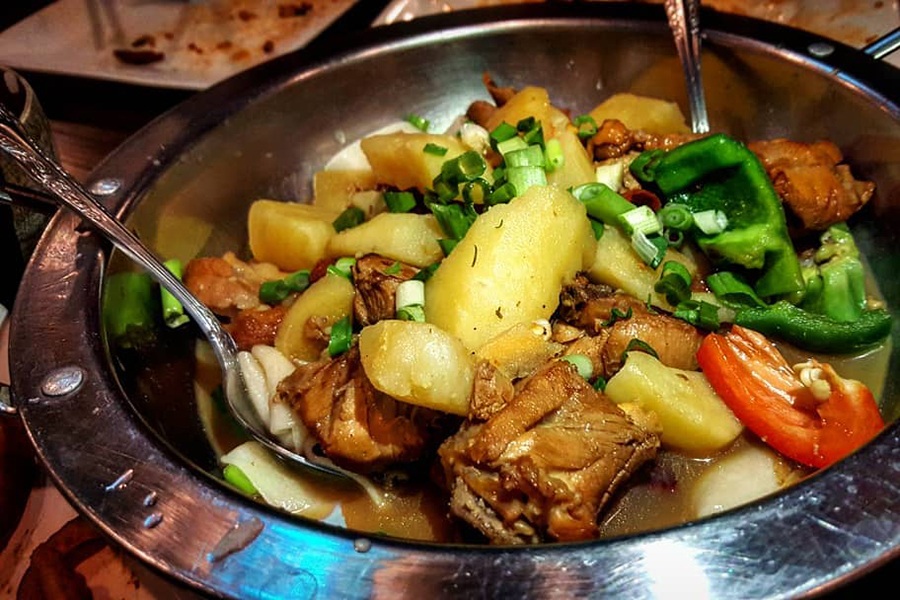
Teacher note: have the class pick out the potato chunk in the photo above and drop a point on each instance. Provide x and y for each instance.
(692, 415)
(640, 112)
(418, 363)
(618, 265)
(400, 160)
(407, 237)
(330, 298)
(335, 189)
(510, 266)
(528, 102)
(290, 235)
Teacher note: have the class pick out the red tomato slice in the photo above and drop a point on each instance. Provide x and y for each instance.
(764, 392)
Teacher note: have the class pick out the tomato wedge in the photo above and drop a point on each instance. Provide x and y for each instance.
(815, 425)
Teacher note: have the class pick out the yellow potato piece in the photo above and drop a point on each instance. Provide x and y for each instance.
(510, 266)
(577, 167)
(640, 112)
(418, 363)
(617, 264)
(528, 102)
(334, 189)
(290, 235)
(407, 237)
(330, 298)
(692, 415)
(399, 159)
(521, 349)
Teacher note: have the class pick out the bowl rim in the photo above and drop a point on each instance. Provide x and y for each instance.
(140, 493)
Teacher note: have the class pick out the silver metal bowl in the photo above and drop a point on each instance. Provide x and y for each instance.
(138, 466)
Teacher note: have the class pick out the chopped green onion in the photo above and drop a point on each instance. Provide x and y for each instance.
(602, 202)
(637, 345)
(698, 313)
(581, 363)
(409, 292)
(523, 178)
(426, 272)
(617, 315)
(399, 202)
(394, 269)
(553, 155)
(535, 135)
(640, 218)
(341, 337)
(527, 124)
(597, 227)
(172, 310)
(274, 292)
(674, 238)
(587, 126)
(599, 383)
(502, 194)
(511, 145)
(711, 222)
(733, 291)
(454, 219)
(419, 122)
(676, 216)
(651, 249)
(465, 167)
(502, 132)
(342, 267)
(351, 217)
(236, 477)
(445, 190)
(434, 149)
(128, 303)
(529, 156)
(674, 282)
(481, 184)
(413, 312)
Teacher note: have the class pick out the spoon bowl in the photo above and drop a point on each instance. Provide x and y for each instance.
(67, 192)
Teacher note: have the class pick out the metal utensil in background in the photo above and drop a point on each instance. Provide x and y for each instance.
(684, 21)
(20, 147)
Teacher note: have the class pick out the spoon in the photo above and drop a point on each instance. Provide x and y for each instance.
(684, 21)
(67, 192)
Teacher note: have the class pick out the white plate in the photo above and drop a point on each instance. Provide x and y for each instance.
(201, 41)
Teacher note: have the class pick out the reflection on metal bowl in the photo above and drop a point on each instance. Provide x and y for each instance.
(263, 134)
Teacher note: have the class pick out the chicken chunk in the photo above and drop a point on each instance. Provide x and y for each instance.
(544, 466)
(228, 285)
(812, 182)
(357, 426)
(376, 279)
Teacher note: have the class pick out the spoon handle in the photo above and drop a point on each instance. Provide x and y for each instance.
(684, 21)
(45, 171)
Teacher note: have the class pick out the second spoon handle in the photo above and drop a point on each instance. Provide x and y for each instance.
(684, 21)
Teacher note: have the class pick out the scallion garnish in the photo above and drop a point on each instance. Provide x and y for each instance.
(581, 363)
(341, 337)
(465, 167)
(434, 149)
(399, 202)
(675, 216)
(342, 267)
(617, 314)
(394, 269)
(553, 155)
(447, 245)
(172, 310)
(236, 477)
(523, 178)
(351, 217)
(426, 272)
(419, 122)
(711, 222)
(674, 282)
(476, 191)
(275, 292)
(511, 145)
(602, 202)
(597, 227)
(733, 291)
(410, 301)
(640, 219)
(636, 345)
(529, 156)
(502, 132)
(502, 194)
(651, 248)
(454, 219)
(699, 313)
(587, 126)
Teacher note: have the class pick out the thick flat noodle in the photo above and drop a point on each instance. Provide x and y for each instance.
(544, 466)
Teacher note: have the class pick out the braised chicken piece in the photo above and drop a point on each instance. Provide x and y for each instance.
(620, 318)
(544, 466)
(480, 111)
(228, 285)
(256, 326)
(812, 182)
(614, 140)
(357, 426)
(376, 279)
(491, 391)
